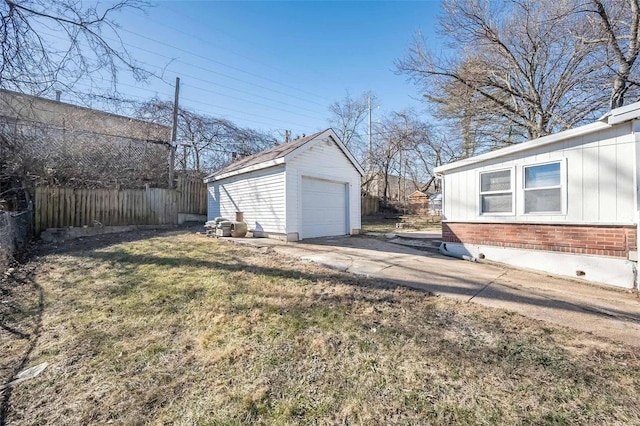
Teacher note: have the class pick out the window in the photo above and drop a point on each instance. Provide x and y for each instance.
(496, 192)
(543, 188)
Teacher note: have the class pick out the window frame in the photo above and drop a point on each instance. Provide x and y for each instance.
(512, 190)
(562, 187)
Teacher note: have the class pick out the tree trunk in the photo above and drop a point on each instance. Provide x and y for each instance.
(468, 143)
(386, 185)
(620, 85)
(196, 155)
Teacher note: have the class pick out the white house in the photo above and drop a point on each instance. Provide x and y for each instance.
(566, 203)
(306, 188)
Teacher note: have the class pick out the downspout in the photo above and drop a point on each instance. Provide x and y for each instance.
(636, 196)
(440, 177)
(443, 250)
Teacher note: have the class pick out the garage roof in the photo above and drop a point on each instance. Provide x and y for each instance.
(278, 155)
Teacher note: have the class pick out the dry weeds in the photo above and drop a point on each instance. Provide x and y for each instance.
(188, 330)
(380, 223)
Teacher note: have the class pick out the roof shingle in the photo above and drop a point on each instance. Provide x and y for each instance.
(270, 154)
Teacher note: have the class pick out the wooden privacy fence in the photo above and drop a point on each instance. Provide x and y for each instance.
(192, 196)
(369, 205)
(64, 207)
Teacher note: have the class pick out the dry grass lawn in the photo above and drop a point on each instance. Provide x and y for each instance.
(184, 329)
(380, 223)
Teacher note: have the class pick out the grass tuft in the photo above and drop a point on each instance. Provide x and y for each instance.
(185, 329)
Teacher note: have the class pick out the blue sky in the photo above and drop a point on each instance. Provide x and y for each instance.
(276, 65)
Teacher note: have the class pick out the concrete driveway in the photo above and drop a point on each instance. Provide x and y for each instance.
(605, 312)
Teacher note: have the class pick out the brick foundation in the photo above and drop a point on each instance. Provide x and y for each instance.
(580, 239)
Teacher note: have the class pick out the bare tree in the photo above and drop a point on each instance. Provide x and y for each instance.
(429, 149)
(516, 60)
(49, 44)
(617, 29)
(349, 120)
(208, 143)
(470, 117)
(386, 148)
(397, 138)
(348, 117)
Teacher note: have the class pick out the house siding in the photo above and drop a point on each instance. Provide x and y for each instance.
(259, 195)
(599, 181)
(321, 159)
(594, 237)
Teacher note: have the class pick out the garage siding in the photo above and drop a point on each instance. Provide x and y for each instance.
(323, 159)
(259, 195)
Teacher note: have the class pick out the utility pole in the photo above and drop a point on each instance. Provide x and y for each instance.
(404, 185)
(370, 146)
(174, 135)
(400, 179)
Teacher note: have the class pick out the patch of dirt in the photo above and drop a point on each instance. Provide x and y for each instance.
(100, 241)
(20, 312)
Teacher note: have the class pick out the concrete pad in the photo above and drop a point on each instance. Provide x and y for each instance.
(606, 312)
(420, 234)
(582, 317)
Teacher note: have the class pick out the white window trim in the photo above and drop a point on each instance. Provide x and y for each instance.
(562, 186)
(512, 190)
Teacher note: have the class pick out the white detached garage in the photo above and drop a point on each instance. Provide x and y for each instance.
(306, 188)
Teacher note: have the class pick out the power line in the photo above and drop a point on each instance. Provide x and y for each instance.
(218, 93)
(245, 42)
(188, 64)
(235, 110)
(260, 86)
(246, 92)
(253, 102)
(223, 64)
(202, 103)
(232, 51)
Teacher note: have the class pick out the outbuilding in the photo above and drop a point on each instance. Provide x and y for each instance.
(306, 188)
(566, 203)
(418, 203)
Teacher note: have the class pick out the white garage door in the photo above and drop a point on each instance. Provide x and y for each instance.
(324, 208)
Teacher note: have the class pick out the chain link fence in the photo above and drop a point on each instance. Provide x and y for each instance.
(50, 143)
(16, 228)
(51, 155)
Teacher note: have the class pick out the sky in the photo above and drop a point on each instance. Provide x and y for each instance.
(271, 65)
